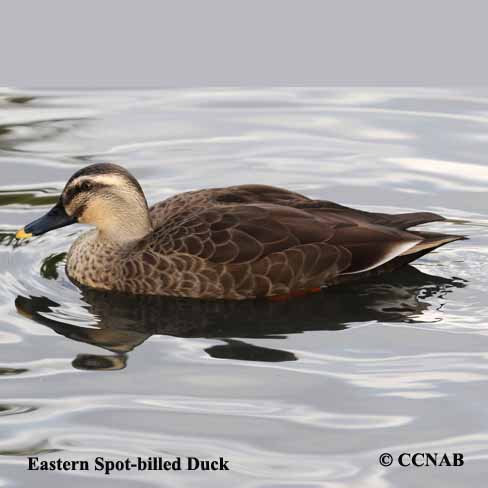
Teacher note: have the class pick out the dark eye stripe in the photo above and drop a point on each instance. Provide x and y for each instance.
(71, 192)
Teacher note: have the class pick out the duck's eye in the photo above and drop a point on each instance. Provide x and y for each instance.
(86, 186)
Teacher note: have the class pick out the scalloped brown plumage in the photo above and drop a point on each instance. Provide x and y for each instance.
(252, 241)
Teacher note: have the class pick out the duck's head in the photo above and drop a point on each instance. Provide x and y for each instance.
(105, 195)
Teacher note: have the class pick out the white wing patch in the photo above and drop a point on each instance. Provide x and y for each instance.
(396, 249)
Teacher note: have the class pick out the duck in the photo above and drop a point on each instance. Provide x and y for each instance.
(240, 242)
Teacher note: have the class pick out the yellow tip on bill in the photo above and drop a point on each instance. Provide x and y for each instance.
(22, 234)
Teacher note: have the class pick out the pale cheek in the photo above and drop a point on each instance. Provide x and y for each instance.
(92, 215)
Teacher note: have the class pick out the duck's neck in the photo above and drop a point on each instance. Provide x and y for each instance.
(123, 232)
(126, 225)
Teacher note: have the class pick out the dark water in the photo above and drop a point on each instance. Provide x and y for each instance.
(304, 393)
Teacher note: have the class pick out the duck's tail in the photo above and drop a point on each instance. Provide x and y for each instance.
(429, 242)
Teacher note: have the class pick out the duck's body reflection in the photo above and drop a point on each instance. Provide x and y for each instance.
(125, 322)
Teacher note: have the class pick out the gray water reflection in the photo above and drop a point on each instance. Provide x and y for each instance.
(125, 322)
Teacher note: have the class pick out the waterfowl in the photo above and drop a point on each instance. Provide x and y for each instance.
(239, 242)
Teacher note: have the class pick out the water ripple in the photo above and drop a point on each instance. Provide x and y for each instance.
(306, 393)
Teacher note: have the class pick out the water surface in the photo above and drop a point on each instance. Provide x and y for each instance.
(305, 393)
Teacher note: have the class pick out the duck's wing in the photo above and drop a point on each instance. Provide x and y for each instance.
(245, 233)
(240, 233)
(264, 194)
(399, 221)
(252, 194)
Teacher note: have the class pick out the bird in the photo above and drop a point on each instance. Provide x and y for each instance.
(240, 242)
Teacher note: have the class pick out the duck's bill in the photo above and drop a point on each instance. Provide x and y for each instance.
(54, 219)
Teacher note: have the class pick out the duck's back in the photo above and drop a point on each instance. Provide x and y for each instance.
(193, 201)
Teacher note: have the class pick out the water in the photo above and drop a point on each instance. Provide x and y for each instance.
(301, 394)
